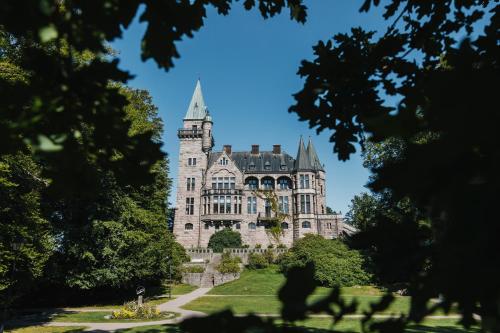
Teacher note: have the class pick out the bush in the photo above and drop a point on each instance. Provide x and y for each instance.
(281, 246)
(229, 264)
(224, 239)
(269, 256)
(193, 269)
(258, 246)
(257, 261)
(335, 264)
(132, 310)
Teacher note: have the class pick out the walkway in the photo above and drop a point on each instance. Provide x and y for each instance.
(171, 306)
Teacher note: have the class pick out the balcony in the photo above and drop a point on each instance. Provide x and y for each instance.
(189, 133)
(267, 216)
(228, 191)
(221, 217)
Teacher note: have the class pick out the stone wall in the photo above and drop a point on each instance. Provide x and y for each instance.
(205, 254)
(193, 279)
(244, 253)
(220, 278)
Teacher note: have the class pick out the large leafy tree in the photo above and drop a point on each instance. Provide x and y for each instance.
(443, 67)
(26, 241)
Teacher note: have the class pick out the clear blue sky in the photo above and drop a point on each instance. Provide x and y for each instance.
(248, 71)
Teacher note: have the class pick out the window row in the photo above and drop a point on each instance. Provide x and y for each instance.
(268, 183)
(222, 204)
(251, 226)
(223, 183)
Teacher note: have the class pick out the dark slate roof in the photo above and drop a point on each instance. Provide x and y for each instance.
(302, 161)
(313, 156)
(265, 161)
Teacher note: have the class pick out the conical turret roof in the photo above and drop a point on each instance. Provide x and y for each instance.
(302, 161)
(313, 156)
(197, 109)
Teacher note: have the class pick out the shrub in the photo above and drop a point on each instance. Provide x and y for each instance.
(270, 246)
(193, 269)
(269, 256)
(229, 264)
(258, 246)
(257, 261)
(281, 246)
(224, 238)
(335, 264)
(132, 310)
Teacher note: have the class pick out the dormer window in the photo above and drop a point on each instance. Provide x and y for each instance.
(251, 166)
(267, 166)
(283, 167)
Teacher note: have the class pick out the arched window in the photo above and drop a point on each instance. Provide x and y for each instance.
(268, 183)
(188, 226)
(284, 225)
(284, 183)
(251, 226)
(252, 183)
(306, 225)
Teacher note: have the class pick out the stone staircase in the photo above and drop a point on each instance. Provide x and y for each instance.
(207, 280)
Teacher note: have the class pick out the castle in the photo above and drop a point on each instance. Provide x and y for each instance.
(221, 189)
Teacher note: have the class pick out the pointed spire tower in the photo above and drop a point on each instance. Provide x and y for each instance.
(313, 156)
(197, 109)
(302, 161)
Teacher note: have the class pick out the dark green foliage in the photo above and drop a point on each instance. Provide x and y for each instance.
(440, 60)
(257, 261)
(334, 263)
(26, 242)
(362, 211)
(229, 264)
(225, 238)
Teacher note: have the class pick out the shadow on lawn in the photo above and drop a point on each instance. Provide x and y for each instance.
(26, 318)
(440, 329)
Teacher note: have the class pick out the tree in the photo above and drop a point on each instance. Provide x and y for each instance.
(362, 211)
(446, 94)
(26, 242)
(334, 263)
(225, 238)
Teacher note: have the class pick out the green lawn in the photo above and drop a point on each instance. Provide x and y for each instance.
(99, 317)
(268, 281)
(271, 304)
(181, 289)
(434, 326)
(46, 329)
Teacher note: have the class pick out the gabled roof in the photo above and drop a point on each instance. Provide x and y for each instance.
(302, 161)
(197, 109)
(265, 161)
(313, 156)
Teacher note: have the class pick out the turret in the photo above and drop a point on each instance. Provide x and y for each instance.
(208, 141)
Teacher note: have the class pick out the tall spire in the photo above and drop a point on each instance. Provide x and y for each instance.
(313, 157)
(197, 109)
(302, 161)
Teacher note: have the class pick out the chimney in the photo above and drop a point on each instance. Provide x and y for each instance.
(276, 149)
(255, 149)
(227, 149)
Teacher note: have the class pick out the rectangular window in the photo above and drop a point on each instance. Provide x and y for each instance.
(204, 205)
(302, 204)
(304, 181)
(226, 183)
(192, 161)
(190, 183)
(214, 182)
(222, 205)
(283, 204)
(308, 204)
(216, 204)
(252, 205)
(189, 206)
(232, 183)
(220, 182)
(228, 205)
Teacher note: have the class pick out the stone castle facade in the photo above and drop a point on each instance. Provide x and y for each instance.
(220, 189)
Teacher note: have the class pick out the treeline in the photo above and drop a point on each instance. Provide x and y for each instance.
(73, 226)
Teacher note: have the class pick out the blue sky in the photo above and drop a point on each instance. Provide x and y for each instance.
(248, 71)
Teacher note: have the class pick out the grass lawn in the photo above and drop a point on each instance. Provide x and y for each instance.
(46, 329)
(271, 304)
(181, 289)
(434, 326)
(268, 281)
(98, 317)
